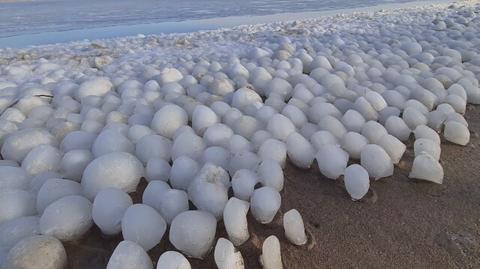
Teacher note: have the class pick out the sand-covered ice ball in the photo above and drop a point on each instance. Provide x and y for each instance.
(68, 218)
(265, 203)
(143, 225)
(116, 170)
(129, 254)
(108, 209)
(193, 232)
(37, 252)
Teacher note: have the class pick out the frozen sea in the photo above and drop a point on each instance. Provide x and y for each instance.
(36, 22)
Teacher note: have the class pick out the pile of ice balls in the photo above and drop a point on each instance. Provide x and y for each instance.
(76, 140)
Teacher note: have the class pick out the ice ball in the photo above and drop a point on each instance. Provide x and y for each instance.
(129, 254)
(332, 160)
(356, 181)
(235, 220)
(143, 225)
(265, 203)
(108, 209)
(425, 167)
(39, 251)
(376, 161)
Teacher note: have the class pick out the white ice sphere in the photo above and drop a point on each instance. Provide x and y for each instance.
(108, 209)
(457, 102)
(425, 167)
(183, 172)
(436, 119)
(243, 183)
(333, 125)
(271, 257)
(294, 227)
(376, 161)
(136, 132)
(295, 114)
(208, 196)
(332, 160)
(13, 178)
(168, 119)
(109, 141)
(143, 225)
(428, 146)
(128, 255)
(42, 158)
(353, 120)
(393, 146)
(376, 100)
(397, 127)
(12, 231)
(218, 135)
(188, 144)
(68, 218)
(172, 260)
(356, 181)
(235, 220)
(19, 143)
(16, 203)
(238, 144)
(456, 132)
(353, 144)
(373, 131)
(273, 149)
(243, 160)
(413, 117)
(264, 204)
(321, 138)
(226, 256)
(168, 75)
(423, 131)
(74, 163)
(365, 108)
(214, 174)
(270, 174)
(245, 96)
(203, 117)
(216, 155)
(300, 151)
(157, 169)
(193, 232)
(153, 146)
(153, 193)
(54, 189)
(119, 170)
(99, 86)
(171, 203)
(280, 127)
(35, 252)
(77, 140)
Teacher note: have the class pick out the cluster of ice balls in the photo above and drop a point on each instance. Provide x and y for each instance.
(75, 142)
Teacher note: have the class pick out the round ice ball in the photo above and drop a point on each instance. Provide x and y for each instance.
(54, 189)
(397, 127)
(117, 170)
(172, 260)
(109, 141)
(271, 257)
(188, 144)
(19, 143)
(203, 117)
(157, 169)
(129, 254)
(68, 218)
(300, 152)
(353, 120)
(457, 133)
(216, 155)
(172, 202)
(98, 86)
(143, 225)
(280, 127)
(153, 193)
(42, 158)
(428, 146)
(39, 251)
(273, 149)
(376, 161)
(413, 117)
(321, 138)
(373, 131)
(12, 231)
(235, 220)
(423, 131)
(218, 135)
(77, 140)
(193, 232)
(108, 209)
(74, 163)
(16, 203)
(168, 119)
(270, 174)
(356, 181)
(294, 227)
(425, 167)
(226, 256)
(208, 196)
(13, 178)
(332, 160)
(265, 203)
(353, 143)
(183, 172)
(153, 146)
(243, 183)
(393, 146)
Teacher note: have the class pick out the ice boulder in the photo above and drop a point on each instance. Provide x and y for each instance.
(456, 132)
(16, 203)
(294, 227)
(332, 160)
(280, 127)
(203, 117)
(183, 172)
(168, 119)
(143, 225)
(74, 162)
(235, 220)
(243, 183)
(299, 150)
(68, 218)
(109, 141)
(99, 86)
(12, 231)
(265, 203)
(353, 144)
(119, 170)
(356, 181)
(19, 143)
(13, 178)
(37, 252)
(108, 209)
(157, 169)
(270, 174)
(172, 260)
(425, 167)
(393, 146)
(271, 257)
(153, 146)
(193, 232)
(54, 189)
(376, 161)
(226, 256)
(128, 255)
(428, 146)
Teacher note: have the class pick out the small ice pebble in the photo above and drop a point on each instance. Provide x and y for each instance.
(129, 255)
(143, 225)
(332, 161)
(294, 227)
(265, 203)
(356, 181)
(376, 161)
(425, 167)
(173, 260)
(226, 256)
(271, 257)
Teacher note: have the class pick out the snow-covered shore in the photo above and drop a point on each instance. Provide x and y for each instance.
(199, 113)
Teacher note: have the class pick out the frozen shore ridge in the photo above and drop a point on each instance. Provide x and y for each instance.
(210, 120)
